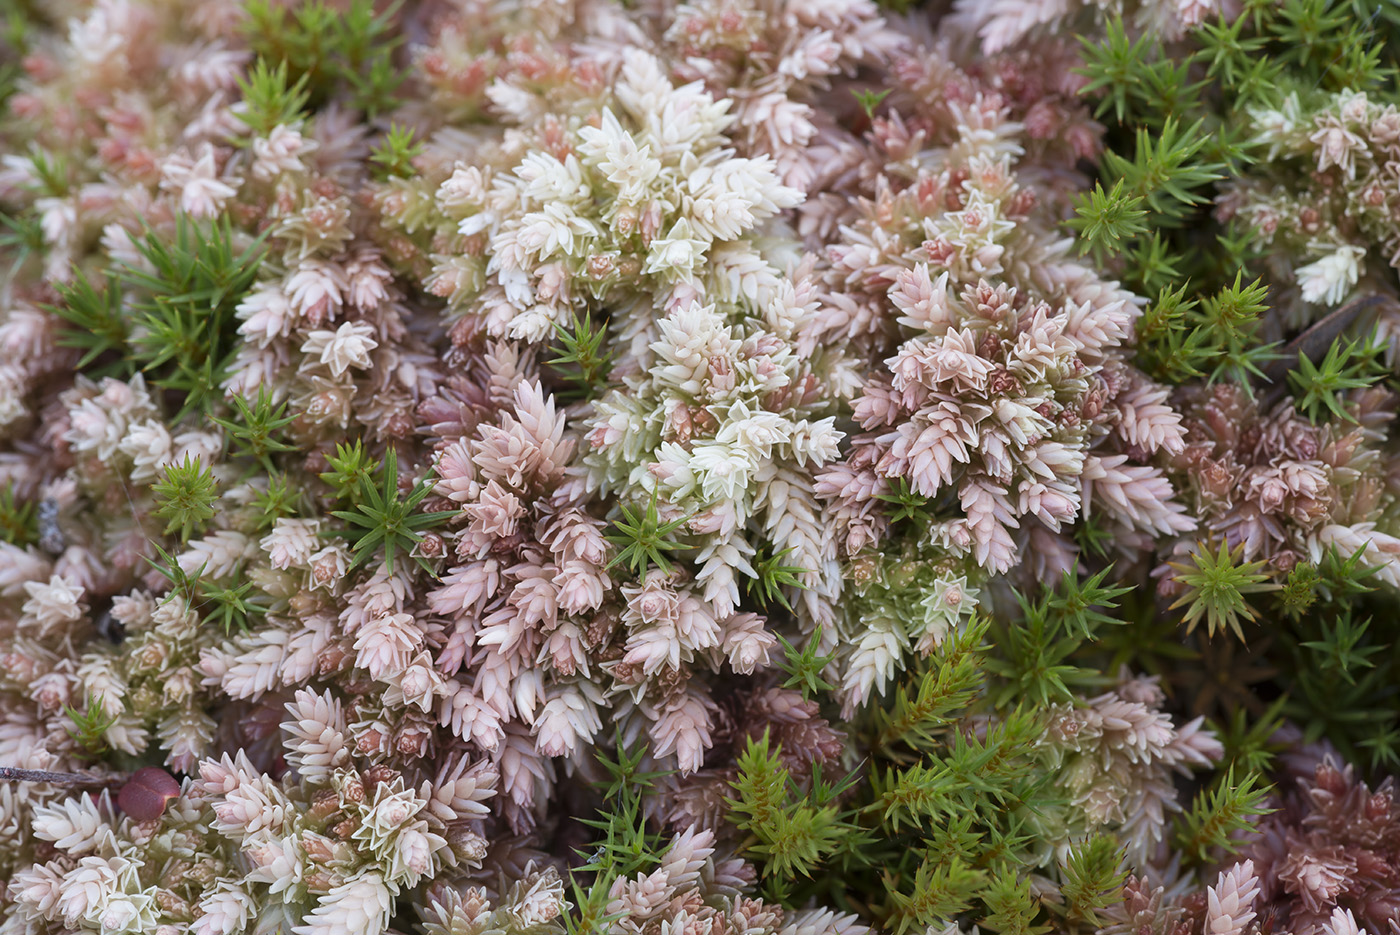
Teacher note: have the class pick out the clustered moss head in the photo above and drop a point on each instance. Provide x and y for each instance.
(383, 518)
(1217, 582)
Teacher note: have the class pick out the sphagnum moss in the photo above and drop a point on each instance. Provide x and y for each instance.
(778, 467)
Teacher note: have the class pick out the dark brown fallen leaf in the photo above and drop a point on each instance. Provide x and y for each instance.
(1316, 340)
